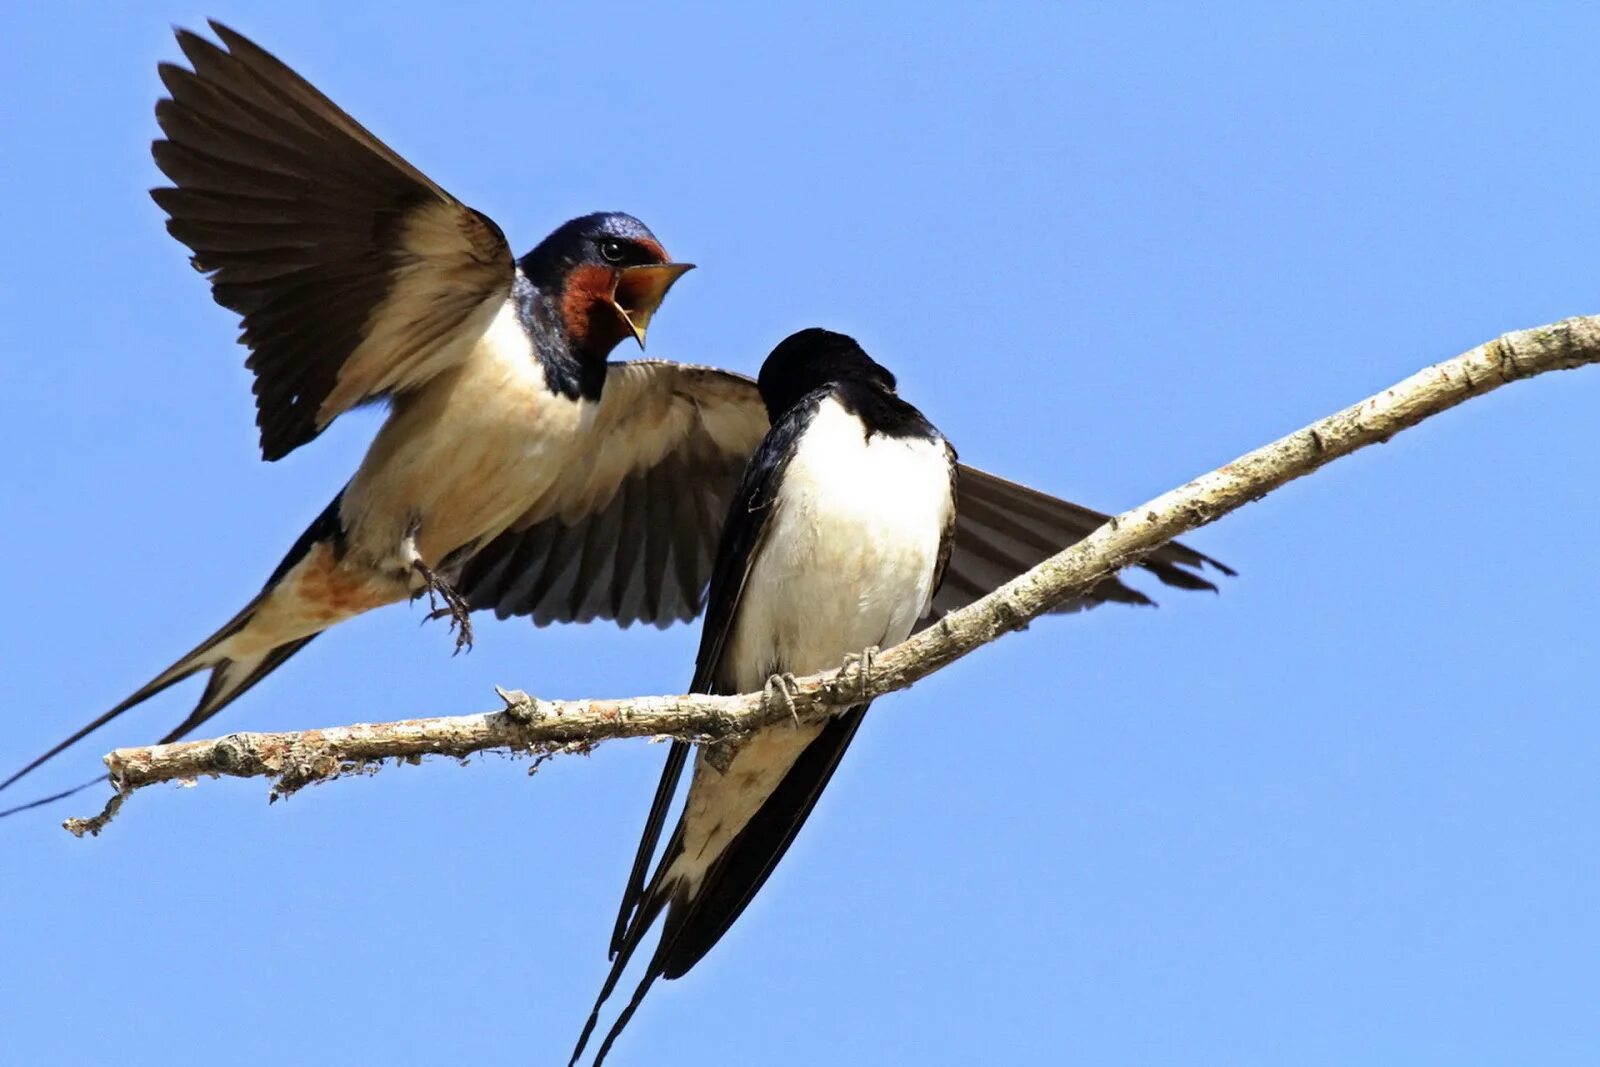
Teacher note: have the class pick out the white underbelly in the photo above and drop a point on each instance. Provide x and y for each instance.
(849, 561)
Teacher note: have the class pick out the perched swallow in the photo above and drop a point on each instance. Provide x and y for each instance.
(837, 542)
(518, 470)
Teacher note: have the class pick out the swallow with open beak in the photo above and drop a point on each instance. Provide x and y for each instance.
(358, 279)
(518, 470)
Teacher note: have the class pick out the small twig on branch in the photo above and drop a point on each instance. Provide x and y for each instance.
(545, 727)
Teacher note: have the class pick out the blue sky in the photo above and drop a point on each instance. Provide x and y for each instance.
(1343, 812)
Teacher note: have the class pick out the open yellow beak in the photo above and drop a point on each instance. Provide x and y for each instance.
(640, 290)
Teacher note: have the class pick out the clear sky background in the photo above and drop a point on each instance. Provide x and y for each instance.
(1344, 812)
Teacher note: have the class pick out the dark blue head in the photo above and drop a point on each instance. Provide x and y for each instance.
(606, 238)
(812, 358)
(605, 274)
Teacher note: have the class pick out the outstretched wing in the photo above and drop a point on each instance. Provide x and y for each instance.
(630, 536)
(1004, 529)
(634, 537)
(355, 275)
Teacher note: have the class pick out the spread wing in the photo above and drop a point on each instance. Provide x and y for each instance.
(355, 275)
(633, 535)
(630, 535)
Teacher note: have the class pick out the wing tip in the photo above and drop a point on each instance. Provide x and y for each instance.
(230, 38)
(195, 47)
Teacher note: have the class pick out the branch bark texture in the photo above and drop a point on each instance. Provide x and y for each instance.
(548, 727)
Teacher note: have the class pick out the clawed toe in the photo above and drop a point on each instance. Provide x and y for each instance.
(455, 606)
(781, 689)
(861, 663)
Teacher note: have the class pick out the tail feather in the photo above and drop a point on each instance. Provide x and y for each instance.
(625, 1016)
(190, 664)
(230, 676)
(53, 797)
(643, 919)
(633, 895)
(720, 897)
(700, 909)
(230, 679)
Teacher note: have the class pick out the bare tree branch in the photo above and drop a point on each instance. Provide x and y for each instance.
(544, 727)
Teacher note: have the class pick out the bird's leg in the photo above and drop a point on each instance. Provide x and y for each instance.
(862, 663)
(781, 689)
(455, 606)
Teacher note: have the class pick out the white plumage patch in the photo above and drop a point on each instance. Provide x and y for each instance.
(849, 559)
(848, 563)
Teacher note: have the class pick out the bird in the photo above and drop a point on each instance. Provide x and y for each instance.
(359, 280)
(837, 542)
(519, 469)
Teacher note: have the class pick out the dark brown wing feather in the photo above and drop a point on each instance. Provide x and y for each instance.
(356, 276)
(1003, 529)
(642, 551)
(630, 536)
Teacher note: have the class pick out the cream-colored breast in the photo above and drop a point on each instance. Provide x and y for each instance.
(466, 455)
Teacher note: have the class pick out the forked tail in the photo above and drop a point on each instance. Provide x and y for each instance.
(233, 671)
(230, 678)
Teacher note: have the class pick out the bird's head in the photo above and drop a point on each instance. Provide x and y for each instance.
(606, 275)
(812, 358)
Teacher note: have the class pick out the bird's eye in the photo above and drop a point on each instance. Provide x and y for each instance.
(611, 250)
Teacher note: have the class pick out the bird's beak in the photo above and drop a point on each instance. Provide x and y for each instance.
(640, 290)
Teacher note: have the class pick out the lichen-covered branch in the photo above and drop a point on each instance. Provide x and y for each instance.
(545, 727)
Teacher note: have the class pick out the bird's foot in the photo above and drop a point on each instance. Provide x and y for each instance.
(780, 691)
(861, 663)
(454, 607)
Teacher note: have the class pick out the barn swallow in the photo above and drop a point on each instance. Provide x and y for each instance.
(518, 470)
(358, 279)
(837, 542)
